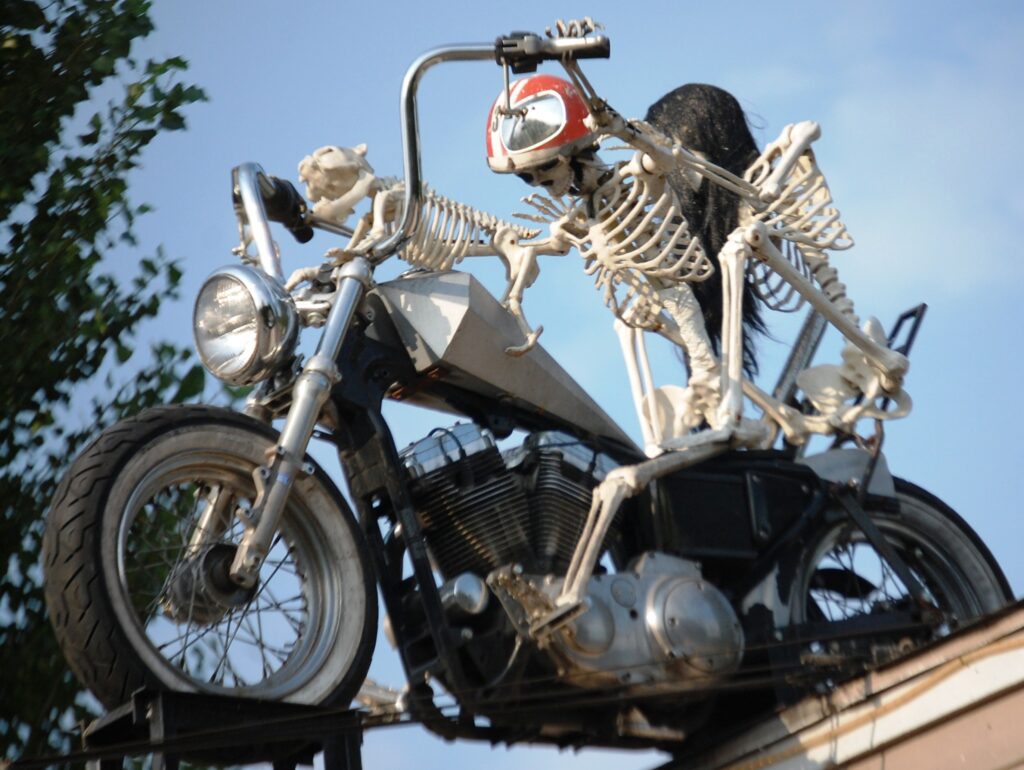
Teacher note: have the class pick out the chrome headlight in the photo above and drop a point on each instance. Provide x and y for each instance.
(245, 325)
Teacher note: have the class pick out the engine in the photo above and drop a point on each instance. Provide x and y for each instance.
(515, 518)
(482, 509)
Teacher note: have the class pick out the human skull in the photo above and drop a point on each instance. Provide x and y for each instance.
(555, 176)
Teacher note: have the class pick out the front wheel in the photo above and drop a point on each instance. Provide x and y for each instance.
(137, 598)
(840, 579)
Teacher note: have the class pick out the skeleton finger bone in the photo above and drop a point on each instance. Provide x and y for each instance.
(573, 27)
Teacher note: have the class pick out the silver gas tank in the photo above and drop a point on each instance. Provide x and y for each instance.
(453, 327)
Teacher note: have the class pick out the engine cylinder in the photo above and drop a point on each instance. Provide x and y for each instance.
(482, 509)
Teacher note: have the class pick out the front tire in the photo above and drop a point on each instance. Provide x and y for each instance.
(131, 609)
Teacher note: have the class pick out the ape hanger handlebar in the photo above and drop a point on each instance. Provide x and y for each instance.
(520, 51)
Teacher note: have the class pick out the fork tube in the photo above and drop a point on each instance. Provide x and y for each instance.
(309, 394)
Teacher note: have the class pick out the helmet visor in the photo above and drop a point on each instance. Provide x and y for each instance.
(534, 121)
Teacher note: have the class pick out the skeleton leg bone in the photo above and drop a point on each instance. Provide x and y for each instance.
(521, 261)
(683, 324)
(733, 260)
(630, 340)
(617, 486)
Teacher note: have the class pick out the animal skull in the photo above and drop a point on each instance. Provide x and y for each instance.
(337, 179)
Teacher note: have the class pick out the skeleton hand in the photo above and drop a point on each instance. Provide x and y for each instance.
(573, 28)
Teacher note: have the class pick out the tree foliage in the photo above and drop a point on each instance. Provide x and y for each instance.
(68, 323)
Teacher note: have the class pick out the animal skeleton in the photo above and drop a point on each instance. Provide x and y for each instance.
(446, 231)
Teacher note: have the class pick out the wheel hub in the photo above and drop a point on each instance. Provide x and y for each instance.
(201, 589)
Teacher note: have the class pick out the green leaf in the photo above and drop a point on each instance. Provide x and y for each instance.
(172, 121)
(64, 201)
(191, 384)
(104, 65)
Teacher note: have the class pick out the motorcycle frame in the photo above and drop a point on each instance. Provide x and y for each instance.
(429, 644)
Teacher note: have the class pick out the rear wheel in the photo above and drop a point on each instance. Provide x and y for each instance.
(136, 600)
(840, 577)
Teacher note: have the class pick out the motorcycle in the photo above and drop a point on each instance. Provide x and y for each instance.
(195, 548)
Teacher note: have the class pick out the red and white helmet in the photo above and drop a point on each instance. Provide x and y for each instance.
(547, 121)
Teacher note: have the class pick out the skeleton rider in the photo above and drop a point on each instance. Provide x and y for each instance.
(627, 222)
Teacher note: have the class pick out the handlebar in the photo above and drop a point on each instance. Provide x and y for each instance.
(260, 199)
(523, 51)
(284, 204)
(520, 51)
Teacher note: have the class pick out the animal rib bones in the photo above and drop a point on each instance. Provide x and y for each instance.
(446, 231)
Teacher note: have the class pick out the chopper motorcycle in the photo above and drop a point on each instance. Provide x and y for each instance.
(195, 548)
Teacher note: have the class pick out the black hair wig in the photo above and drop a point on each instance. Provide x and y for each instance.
(710, 120)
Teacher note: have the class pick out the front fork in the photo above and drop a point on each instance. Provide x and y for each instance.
(286, 460)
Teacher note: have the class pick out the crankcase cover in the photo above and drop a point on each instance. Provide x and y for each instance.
(693, 621)
(658, 622)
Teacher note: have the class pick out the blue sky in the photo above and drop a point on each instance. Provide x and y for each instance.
(921, 110)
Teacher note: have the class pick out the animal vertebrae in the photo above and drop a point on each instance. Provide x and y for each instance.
(446, 231)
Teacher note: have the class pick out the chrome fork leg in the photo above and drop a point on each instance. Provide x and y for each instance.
(310, 393)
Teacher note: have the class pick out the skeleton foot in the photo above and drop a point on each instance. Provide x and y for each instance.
(620, 484)
(702, 397)
(526, 347)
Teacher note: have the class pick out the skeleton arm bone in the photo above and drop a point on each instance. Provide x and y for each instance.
(521, 268)
(665, 155)
(891, 364)
(793, 143)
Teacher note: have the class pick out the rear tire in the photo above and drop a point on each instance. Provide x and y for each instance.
(117, 539)
(839, 576)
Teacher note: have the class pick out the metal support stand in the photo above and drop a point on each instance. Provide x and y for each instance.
(222, 730)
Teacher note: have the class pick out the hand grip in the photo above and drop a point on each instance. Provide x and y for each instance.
(284, 204)
(523, 51)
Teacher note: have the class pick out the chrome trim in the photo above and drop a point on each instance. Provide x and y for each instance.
(411, 139)
(465, 594)
(309, 394)
(443, 447)
(277, 327)
(246, 178)
(330, 227)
